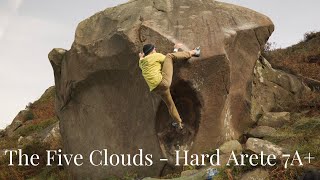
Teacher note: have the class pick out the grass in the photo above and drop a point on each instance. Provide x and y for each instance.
(7, 142)
(31, 172)
(302, 135)
(42, 114)
(52, 173)
(235, 172)
(36, 127)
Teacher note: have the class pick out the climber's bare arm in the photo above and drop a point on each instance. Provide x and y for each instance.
(181, 46)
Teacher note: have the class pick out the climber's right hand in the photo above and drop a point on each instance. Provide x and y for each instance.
(141, 55)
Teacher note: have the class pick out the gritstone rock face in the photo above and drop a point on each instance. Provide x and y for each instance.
(103, 101)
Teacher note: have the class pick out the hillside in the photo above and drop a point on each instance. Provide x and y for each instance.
(302, 58)
(34, 130)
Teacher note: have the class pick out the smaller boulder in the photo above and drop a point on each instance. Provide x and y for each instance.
(52, 136)
(229, 146)
(274, 119)
(258, 145)
(25, 140)
(257, 174)
(261, 131)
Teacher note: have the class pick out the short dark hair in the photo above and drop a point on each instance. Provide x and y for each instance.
(147, 49)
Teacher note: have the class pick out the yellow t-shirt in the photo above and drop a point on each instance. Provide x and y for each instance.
(151, 66)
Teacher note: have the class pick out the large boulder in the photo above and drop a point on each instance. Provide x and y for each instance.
(103, 102)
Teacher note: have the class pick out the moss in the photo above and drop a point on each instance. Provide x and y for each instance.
(233, 171)
(126, 176)
(307, 125)
(8, 142)
(42, 114)
(171, 176)
(28, 115)
(301, 135)
(31, 172)
(130, 176)
(111, 178)
(52, 173)
(31, 128)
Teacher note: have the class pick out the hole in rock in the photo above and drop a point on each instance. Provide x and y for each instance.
(188, 105)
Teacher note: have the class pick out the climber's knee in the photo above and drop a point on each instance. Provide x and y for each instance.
(162, 87)
(166, 85)
(170, 55)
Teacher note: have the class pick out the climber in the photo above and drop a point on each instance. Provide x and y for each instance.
(157, 70)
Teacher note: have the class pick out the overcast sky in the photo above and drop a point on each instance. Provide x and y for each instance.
(29, 29)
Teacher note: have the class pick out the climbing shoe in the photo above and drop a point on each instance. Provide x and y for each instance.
(176, 125)
(197, 52)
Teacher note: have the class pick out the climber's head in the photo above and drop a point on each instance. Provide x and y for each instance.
(148, 49)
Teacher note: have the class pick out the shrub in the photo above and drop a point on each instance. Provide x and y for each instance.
(310, 101)
(310, 35)
(29, 106)
(32, 172)
(28, 115)
(269, 46)
(31, 128)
